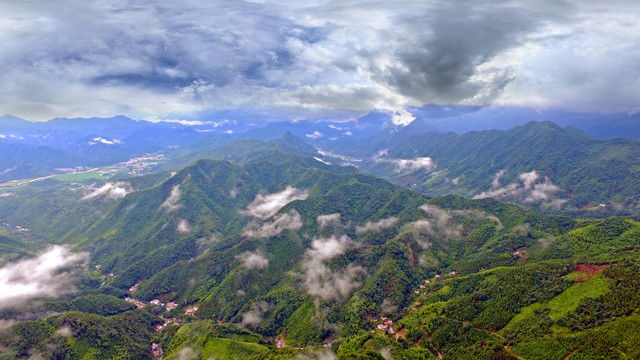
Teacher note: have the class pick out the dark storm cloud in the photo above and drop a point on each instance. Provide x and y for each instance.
(440, 65)
(149, 58)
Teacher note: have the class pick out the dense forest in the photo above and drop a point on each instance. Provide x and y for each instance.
(277, 256)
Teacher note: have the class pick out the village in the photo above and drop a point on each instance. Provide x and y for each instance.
(382, 325)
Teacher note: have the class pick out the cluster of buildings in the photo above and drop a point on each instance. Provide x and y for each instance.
(428, 282)
(74, 169)
(17, 227)
(99, 268)
(386, 325)
(191, 310)
(134, 288)
(174, 321)
(156, 351)
(139, 304)
(137, 165)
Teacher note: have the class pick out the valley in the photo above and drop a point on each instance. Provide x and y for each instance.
(268, 254)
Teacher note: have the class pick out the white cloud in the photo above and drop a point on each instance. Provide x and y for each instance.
(377, 225)
(315, 135)
(64, 331)
(414, 164)
(170, 203)
(214, 124)
(187, 353)
(104, 141)
(529, 178)
(322, 161)
(402, 117)
(542, 192)
(419, 225)
(440, 223)
(110, 190)
(253, 317)
(380, 154)
(254, 260)
(529, 190)
(388, 307)
(183, 226)
(280, 223)
(326, 354)
(41, 276)
(321, 281)
(266, 205)
(444, 223)
(324, 220)
(496, 180)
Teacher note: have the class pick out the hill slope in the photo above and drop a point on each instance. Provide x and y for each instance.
(289, 248)
(537, 165)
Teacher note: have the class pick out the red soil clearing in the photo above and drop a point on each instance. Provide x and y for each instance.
(587, 271)
(411, 258)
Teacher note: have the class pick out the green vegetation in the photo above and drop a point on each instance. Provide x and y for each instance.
(510, 283)
(587, 171)
(90, 175)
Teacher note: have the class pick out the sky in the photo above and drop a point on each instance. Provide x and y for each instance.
(314, 58)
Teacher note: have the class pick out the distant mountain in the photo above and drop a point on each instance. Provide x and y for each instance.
(462, 119)
(537, 164)
(240, 151)
(18, 161)
(67, 143)
(364, 135)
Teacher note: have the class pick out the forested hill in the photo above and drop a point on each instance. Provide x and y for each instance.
(232, 260)
(538, 165)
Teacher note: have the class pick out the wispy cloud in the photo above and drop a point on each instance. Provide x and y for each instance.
(253, 317)
(171, 203)
(315, 135)
(321, 281)
(440, 224)
(496, 179)
(46, 275)
(187, 353)
(408, 165)
(254, 260)
(110, 190)
(273, 227)
(443, 221)
(183, 226)
(266, 205)
(325, 220)
(388, 307)
(529, 189)
(377, 225)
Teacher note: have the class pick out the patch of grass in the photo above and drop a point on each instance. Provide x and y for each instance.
(569, 299)
(525, 313)
(223, 349)
(564, 302)
(81, 176)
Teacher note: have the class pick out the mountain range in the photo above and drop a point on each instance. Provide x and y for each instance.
(268, 254)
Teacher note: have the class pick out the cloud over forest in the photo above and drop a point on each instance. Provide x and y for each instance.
(110, 190)
(49, 274)
(266, 205)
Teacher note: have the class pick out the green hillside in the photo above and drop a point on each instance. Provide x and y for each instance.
(574, 173)
(286, 248)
